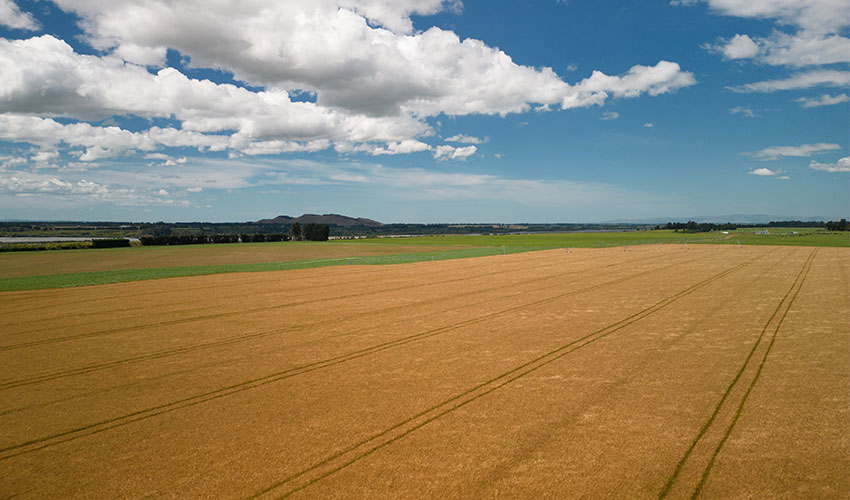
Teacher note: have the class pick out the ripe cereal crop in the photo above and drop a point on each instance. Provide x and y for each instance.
(711, 371)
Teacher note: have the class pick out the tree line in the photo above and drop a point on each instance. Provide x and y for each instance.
(699, 227)
(795, 223)
(139, 229)
(110, 242)
(838, 225)
(205, 239)
(298, 232)
(704, 227)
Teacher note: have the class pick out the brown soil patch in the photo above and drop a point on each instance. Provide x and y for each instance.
(626, 373)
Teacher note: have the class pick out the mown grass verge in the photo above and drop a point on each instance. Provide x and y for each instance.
(124, 275)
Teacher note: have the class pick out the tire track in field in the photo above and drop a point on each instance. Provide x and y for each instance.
(245, 281)
(330, 286)
(97, 427)
(39, 294)
(785, 303)
(520, 458)
(215, 316)
(178, 321)
(740, 409)
(362, 270)
(352, 276)
(47, 377)
(352, 454)
(278, 292)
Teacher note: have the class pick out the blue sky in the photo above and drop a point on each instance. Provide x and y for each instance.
(423, 111)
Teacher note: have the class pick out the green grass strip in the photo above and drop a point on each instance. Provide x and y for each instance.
(125, 275)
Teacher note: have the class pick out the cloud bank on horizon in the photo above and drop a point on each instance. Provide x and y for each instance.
(212, 85)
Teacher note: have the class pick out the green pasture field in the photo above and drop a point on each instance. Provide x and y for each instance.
(809, 237)
(18, 273)
(777, 236)
(556, 240)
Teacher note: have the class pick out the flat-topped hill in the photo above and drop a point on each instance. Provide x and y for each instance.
(331, 219)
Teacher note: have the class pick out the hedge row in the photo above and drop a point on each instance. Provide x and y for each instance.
(212, 238)
(53, 245)
(110, 243)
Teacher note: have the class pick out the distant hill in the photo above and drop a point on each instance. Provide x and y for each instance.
(330, 219)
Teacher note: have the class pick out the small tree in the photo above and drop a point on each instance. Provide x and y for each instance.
(295, 231)
(323, 232)
(315, 232)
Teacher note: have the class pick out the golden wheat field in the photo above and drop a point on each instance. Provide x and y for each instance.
(641, 372)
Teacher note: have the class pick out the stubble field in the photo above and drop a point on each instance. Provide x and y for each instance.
(641, 372)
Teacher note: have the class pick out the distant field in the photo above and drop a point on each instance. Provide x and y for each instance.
(781, 236)
(644, 372)
(53, 269)
(124, 275)
(810, 237)
(17, 264)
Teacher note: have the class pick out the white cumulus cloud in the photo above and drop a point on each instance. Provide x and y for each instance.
(45, 156)
(402, 147)
(739, 47)
(808, 33)
(782, 49)
(330, 48)
(466, 139)
(100, 142)
(447, 152)
(764, 172)
(662, 78)
(804, 49)
(12, 17)
(375, 81)
(813, 15)
(842, 165)
(46, 77)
